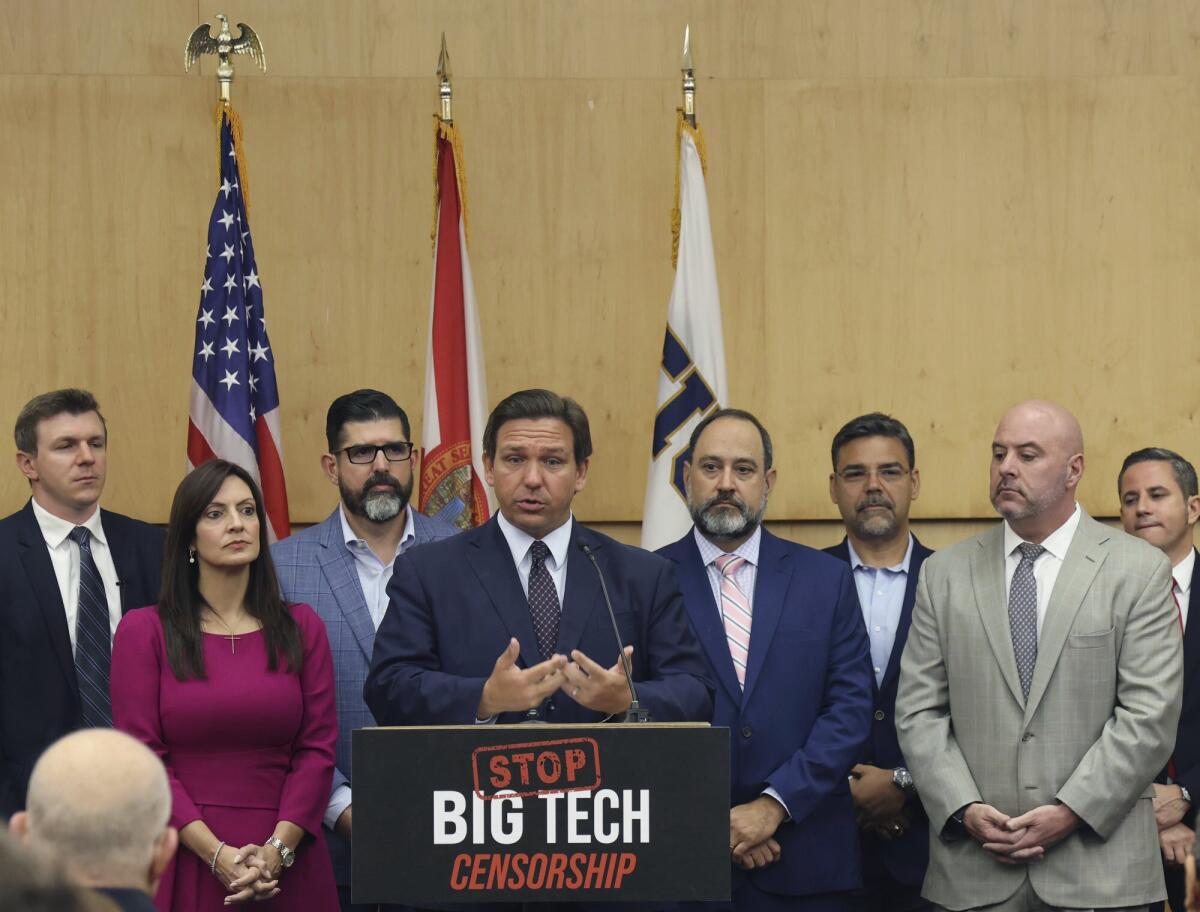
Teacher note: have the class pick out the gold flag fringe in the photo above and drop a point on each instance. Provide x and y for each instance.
(682, 126)
(235, 125)
(449, 132)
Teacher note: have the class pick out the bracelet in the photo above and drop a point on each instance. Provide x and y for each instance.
(213, 866)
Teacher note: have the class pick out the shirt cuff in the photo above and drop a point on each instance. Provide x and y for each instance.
(338, 802)
(490, 720)
(783, 804)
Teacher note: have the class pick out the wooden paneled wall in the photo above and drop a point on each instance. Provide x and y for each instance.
(930, 207)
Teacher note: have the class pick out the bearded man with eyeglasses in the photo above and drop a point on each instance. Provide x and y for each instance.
(342, 567)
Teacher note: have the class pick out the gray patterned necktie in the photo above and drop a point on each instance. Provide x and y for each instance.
(1022, 614)
(543, 600)
(93, 650)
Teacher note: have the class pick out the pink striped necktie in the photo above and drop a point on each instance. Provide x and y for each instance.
(736, 613)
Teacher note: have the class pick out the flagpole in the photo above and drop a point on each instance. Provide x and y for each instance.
(689, 79)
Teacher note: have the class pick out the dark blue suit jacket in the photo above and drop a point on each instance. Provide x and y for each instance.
(905, 858)
(455, 603)
(39, 697)
(801, 721)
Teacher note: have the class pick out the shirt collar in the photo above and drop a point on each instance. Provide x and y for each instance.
(350, 537)
(902, 567)
(56, 529)
(747, 550)
(1182, 571)
(519, 541)
(1057, 542)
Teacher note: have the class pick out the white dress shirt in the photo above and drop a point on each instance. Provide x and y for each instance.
(373, 578)
(64, 557)
(1048, 563)
(881, 596)
(1182, 573)
(374, 574)
(558, 541)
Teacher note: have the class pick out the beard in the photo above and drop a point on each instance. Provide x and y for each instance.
(377, 506)
(876, 525)
(726, 524)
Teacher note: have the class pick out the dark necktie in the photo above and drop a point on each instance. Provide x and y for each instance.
(93, 651)
(1022, 614)
(543, 600)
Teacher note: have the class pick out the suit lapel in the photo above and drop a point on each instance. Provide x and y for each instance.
(491, 560)
(1082, 563)
(987, 579)
(35, 560)
(124, 559)
(582, 594)
(770, 587)
(337, 566)
(1191, 633)
(705, 614)
(919, 553)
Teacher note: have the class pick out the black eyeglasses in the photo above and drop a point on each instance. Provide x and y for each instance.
(365, 453)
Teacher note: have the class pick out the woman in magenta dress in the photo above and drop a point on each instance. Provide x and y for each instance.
(233, 689)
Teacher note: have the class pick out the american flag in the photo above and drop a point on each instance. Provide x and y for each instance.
(234, 412)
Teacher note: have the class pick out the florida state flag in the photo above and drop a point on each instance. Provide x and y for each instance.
(455, 388)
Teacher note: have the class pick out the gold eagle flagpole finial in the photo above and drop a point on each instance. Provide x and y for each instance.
(689, 78)
(223, 44)
(445, 92)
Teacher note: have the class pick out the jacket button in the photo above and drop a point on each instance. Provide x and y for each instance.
(1028, 736)
(747, 731)
(550, 707)
(879, 715)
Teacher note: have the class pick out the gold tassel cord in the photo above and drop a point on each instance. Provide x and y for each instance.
(681, 126)
(235, 126)
(449, 132)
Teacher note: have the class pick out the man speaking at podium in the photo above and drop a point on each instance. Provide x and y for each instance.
(508, 622)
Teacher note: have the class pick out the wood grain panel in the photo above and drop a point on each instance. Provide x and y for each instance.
(930, 207)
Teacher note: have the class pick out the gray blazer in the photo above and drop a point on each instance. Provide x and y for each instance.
(316, 568)
(1098, 726)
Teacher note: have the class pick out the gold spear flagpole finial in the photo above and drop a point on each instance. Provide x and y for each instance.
(689, 78)
(202, 41)
(444, 90)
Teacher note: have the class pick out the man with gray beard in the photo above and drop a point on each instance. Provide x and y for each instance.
(874, 482)
(784, 637)
(342, 567)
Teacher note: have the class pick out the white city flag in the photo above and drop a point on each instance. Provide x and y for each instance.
(691, 380)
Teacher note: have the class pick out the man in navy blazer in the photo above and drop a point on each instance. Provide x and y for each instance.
(342, 567)
(1160, 503)
(874, 482)
(780, 626)
(61, 440)
(507, 621)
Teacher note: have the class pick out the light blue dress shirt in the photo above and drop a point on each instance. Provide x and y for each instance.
(881, 596)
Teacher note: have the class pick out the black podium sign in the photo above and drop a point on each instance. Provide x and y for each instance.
(539, 813)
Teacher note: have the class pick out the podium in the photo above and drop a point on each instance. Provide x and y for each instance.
(541, 813)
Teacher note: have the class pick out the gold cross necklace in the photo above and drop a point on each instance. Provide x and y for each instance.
(230, 635)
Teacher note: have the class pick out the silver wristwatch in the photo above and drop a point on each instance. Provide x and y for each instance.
(1187, 796)
(286, 856)
(902, 779)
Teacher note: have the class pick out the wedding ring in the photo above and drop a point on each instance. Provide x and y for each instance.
(575, 693)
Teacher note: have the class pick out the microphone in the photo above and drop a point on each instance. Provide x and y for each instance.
(635, 713)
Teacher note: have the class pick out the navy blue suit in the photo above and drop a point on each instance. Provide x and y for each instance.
(905, 859)
(455, 603)
(1186, 757)
(39, 696)
(800, 723)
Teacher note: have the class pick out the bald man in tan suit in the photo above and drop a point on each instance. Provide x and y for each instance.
(1039, 692)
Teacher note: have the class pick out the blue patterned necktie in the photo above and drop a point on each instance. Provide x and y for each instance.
(543, 600)
(93, 650)
(1022, 614)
